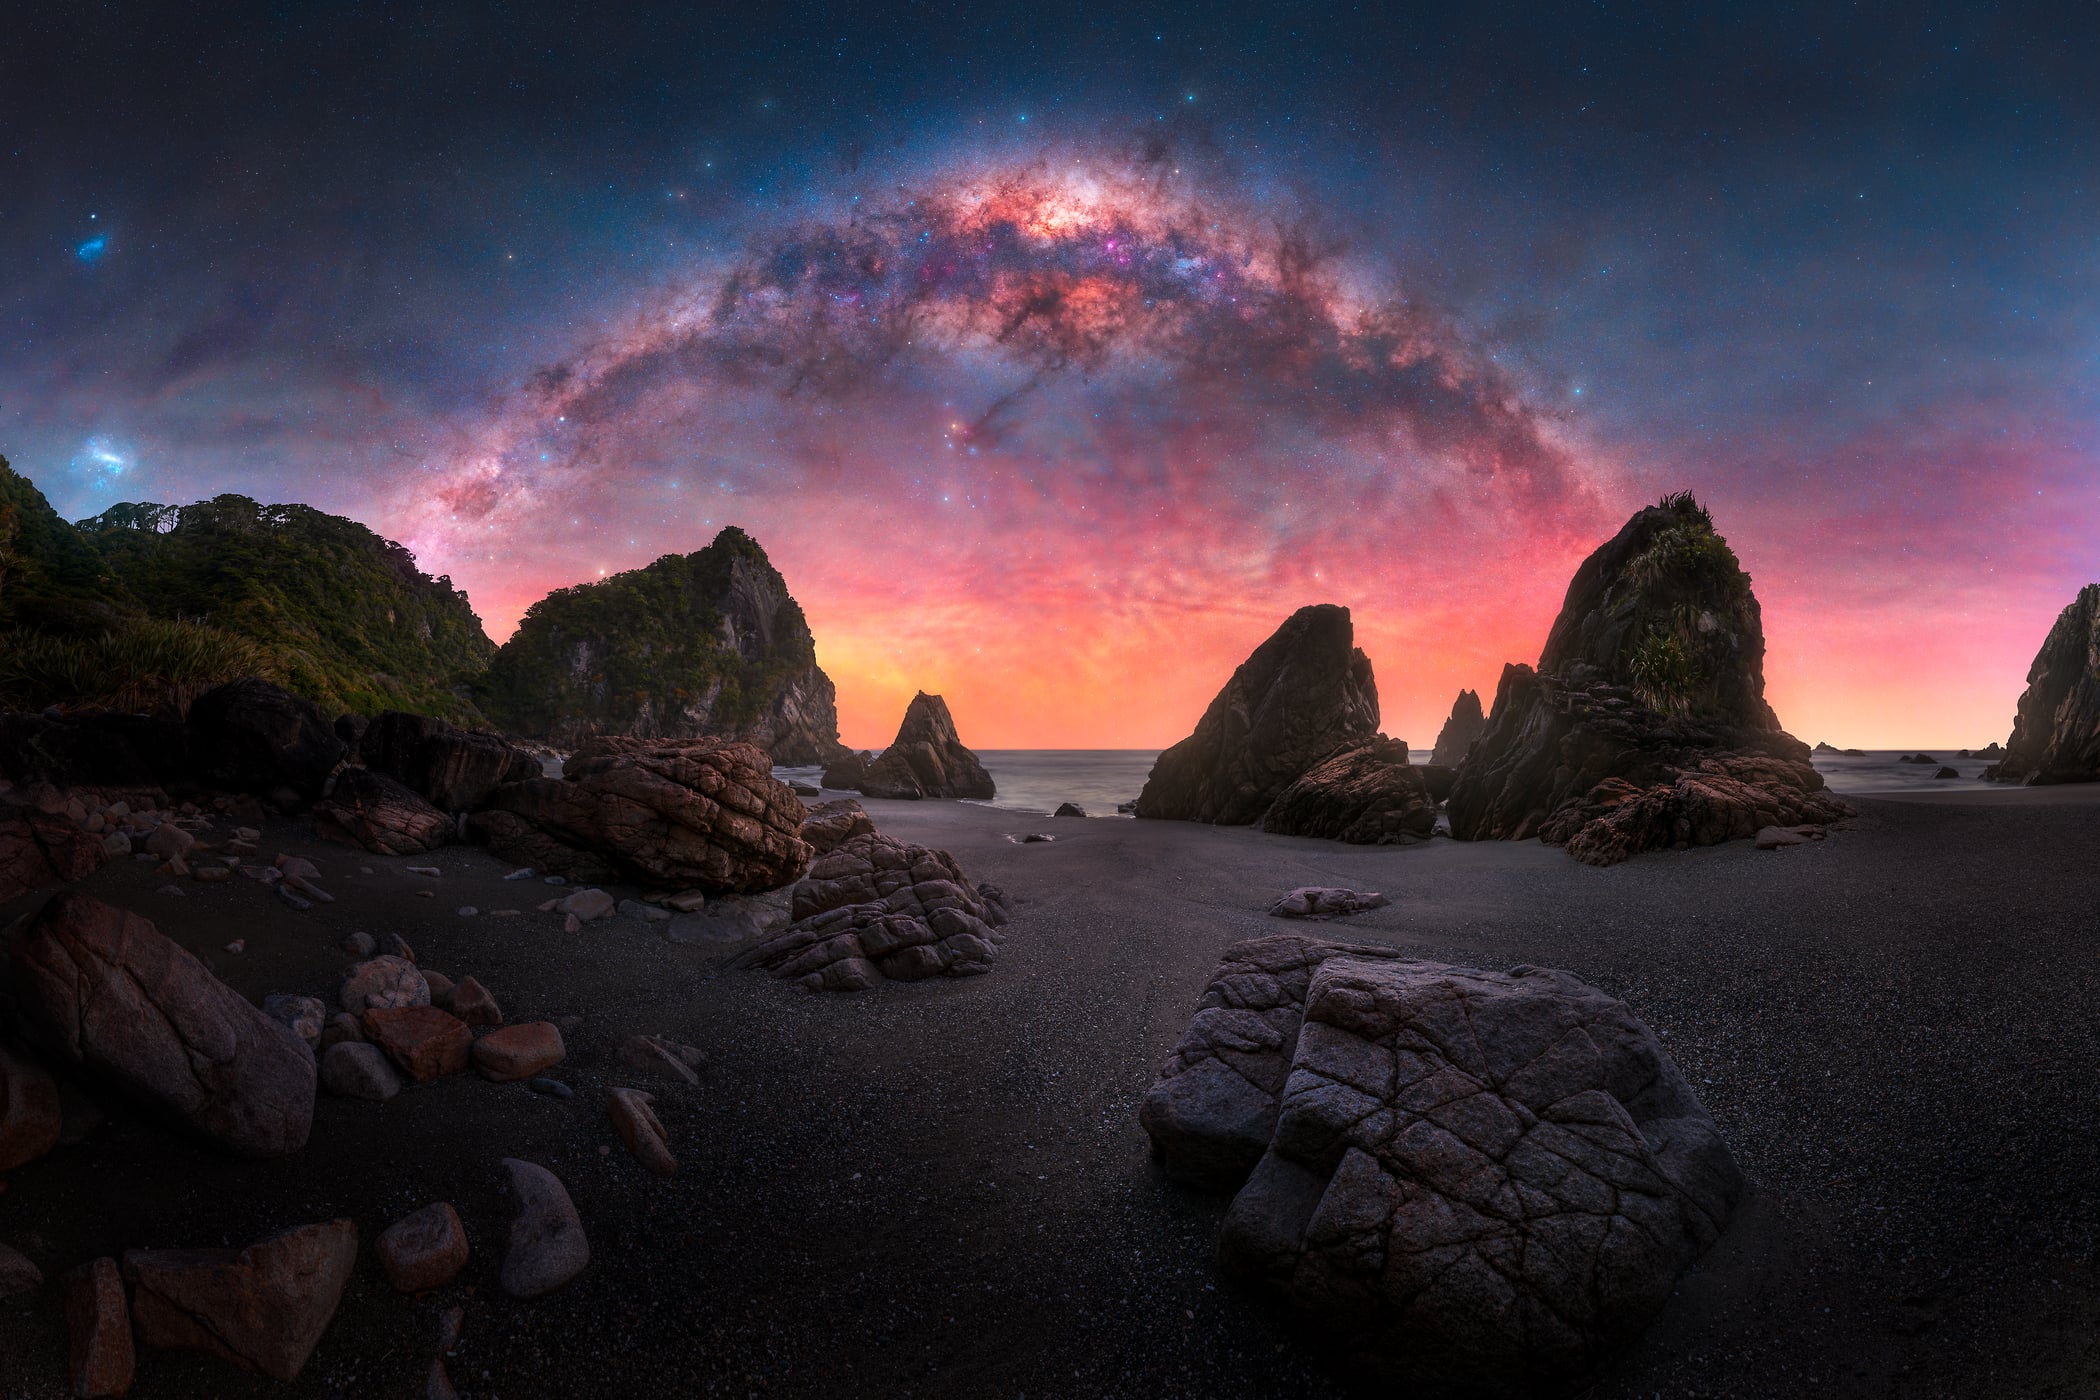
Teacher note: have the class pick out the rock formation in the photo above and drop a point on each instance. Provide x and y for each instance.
(262, 1308)
(2056, 733)
(453, 769)
(684, 813)
(1474, 1183)
(872, 908)
(105, 989)
(251, 736)
(1459, 731)
(1367, 795)
(707, 643)
(1304, 695)
(373, 812)
(927, 758)
(1645, 725)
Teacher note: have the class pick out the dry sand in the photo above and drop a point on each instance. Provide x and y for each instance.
(942, 1189)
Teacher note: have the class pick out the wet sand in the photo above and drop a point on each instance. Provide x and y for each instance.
(942, 1190)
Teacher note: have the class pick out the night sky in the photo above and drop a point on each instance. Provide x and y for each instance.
(1056, 353)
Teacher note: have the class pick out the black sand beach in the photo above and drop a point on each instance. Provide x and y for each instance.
(941, 1189)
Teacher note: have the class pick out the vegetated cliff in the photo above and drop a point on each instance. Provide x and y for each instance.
(148, 604)
(702, 643)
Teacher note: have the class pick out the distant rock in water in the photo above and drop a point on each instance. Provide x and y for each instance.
(1367, 795)
(1305, 695)
(927, 758)
(1645, 725)
(701, 644)
(2056, 734)
(1459, 731)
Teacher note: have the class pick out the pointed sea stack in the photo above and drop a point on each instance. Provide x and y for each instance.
(1305, 695)
(2056, 734)
(927, 758)
(1645, 725)
(1465, 725)
(701, 644)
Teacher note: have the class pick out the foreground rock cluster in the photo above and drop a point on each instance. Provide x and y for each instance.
(1644, 726)
(1469, 1182)
(1292, 743)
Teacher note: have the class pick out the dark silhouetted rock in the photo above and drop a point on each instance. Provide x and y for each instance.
(263, 1308)
(453, 769)
(1921, 758)
(19, 1274)
(1465, 724)
(845, 773)
(514, 837)
(373, 812)
(1437, 780)
(547, 1244)
(1472, 1182)
(687, 814)
(1069, 809)
(1367, 795)
(30, 1117)
(927, 758)
(102, 988)
(96, 749)
(1645, 725)
(1303, 696)
(350, 728)
(2056, 732)
(874, 907)
(1946, 772)
(250, 736)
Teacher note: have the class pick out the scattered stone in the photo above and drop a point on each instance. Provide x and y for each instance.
(641, 1131)
(554, 880)
(340, 1027)
(466, 911)
(547, 1244)
(518, 1052)
(426, 894)
(874, 907)
(31, 1114)
(170, 842)
(653, 1054)
(1069, 809)
(384, 981)
(475, 1004)
(425, 1042)
(394, 945)
(247, 833)
(117, 844)
(423, 1251)
(552, 1088)
(284, 893)
(304, 885)
(587, 905)
(357, 1069)
(18, 1273)
(522, 874)
(1128, 809)
(262, 1308)
(571, 924)
(1304, 695)
(359, 945)
(441, 988)
(175, 890)
(505, 913)
(100, 1358)
(927, 758)
(647, 913)
(305, 1015)
(103, 988)
(1316, 902)
(211, 874)
(430, 870)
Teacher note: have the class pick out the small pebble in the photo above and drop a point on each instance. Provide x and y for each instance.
(467, 911)
(552, 1088)
(359, 945)
(364, 869)
(524, 874)
(555, 880)
(504, 913)
(239, 945)
(169, 889)
(284, 893)
(426, 894)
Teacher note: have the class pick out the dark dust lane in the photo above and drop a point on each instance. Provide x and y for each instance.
(941, 1189)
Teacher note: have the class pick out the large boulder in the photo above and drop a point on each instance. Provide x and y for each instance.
(1460, 730)
(1649, 692)
(251, 736)
(105, 989)
(927, 758)
(688, 814)
(453, 769)
(2056, 733)
(1304, 695)
(374, 812)
(872, 908)
(1473, 1183)
(1367, 795)
(262, 1308)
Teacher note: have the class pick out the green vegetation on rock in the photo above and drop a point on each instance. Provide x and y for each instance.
(149, 604)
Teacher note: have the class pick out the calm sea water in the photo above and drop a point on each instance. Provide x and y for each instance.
(1039, 780)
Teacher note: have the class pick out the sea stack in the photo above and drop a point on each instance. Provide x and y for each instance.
(1459, 731)
(1305, 695)
(927, 758)
(2056, 734)
(703, 644)
(1645, 725)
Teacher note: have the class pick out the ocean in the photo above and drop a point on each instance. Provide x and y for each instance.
(1038, 781)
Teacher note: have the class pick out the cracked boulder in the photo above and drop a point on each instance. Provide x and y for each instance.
(1367, 796)
(453, 769)
(374, 812)
(873, 908)
(1475, 1183)
(683, 813)
(262, 1308)
(102, 988)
